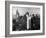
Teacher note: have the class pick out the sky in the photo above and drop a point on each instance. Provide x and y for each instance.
(23, 10)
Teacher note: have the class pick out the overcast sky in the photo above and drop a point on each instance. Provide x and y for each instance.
(23, 10)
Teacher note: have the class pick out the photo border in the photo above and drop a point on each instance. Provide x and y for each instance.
(7, 18)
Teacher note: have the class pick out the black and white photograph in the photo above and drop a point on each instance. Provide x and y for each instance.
(25, 18)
